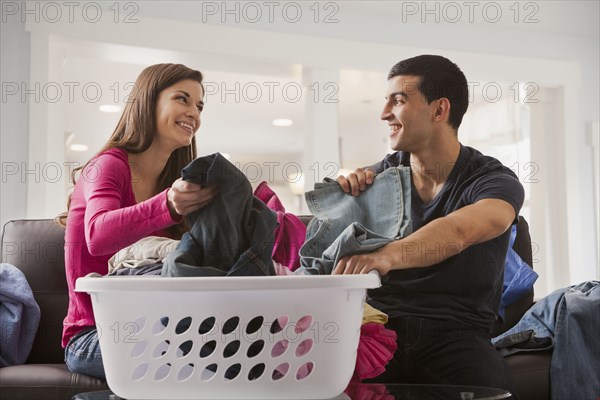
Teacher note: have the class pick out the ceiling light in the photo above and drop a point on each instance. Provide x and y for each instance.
(78, 147)
(283, 122)
(109, 108)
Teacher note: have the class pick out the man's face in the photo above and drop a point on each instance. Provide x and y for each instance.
(407, 113)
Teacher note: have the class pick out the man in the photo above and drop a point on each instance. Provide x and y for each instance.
(441, 284)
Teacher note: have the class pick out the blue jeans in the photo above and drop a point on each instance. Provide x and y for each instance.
(83, 355)
(570, 317)
(346, 225)
(233, 235)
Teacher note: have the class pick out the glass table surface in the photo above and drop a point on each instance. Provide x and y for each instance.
(363, 391)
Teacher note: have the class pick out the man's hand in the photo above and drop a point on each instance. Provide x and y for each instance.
(379, 260)
(184, 197)
(357, 181)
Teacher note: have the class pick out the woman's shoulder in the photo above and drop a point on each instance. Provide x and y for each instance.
(113, 154)
(114, 158)
(110, 164)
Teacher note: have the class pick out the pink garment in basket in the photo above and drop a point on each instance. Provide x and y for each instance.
(376, 348)
(289, 234)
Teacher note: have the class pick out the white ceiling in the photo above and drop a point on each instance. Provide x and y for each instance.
(243, 128)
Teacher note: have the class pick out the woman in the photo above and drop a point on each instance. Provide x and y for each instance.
(131, 189)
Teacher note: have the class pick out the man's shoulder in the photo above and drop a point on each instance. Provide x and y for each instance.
(474, 162)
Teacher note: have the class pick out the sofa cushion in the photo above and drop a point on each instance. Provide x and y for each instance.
(531, 373)
(45, 381)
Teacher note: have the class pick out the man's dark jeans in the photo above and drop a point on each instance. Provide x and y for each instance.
(444, 353)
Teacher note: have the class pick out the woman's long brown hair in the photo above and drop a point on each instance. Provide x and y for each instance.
(137, 127)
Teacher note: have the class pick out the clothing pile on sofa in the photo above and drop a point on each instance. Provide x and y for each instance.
(566, 320)
(19, 316)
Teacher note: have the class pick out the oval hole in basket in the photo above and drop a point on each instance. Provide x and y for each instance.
(304, 371)
(139, 324)
(281, 371)
(303, 324)
(304, 347)
(280, 347)
(230, 325)
(161, 348)
(160, 325)
(256, 372)
(208, 348)
(231, 348)
(279, 324)
(185, 372)
(254, 325)
(207, 325)
(209, 372)
(138, 349)
(183, 325)
(233, 371)
(140, 372)
(255, 348)
(184, 348)
(162, 372)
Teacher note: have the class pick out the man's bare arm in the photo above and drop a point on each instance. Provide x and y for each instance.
(442, 238)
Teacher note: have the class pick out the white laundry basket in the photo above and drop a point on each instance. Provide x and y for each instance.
(228, 337)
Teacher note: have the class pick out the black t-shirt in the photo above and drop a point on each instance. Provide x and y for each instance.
(466, 287)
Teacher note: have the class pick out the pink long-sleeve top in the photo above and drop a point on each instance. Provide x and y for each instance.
(104, 218)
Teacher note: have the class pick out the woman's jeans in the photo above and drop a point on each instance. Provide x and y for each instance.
(83, 355)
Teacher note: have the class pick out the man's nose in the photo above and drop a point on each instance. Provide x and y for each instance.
(385, 113)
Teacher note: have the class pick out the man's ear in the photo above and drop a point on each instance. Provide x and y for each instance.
(442, 110)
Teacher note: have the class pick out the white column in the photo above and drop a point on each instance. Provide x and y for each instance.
(321, 156)
(550, 227)
(38, 125)
(45, 171)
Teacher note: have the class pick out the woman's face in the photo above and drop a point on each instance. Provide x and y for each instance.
(178, 112)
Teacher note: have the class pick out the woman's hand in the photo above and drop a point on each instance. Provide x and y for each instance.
(184, 197)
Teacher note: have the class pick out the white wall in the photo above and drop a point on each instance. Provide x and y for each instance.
(14, 121)
(391, 40)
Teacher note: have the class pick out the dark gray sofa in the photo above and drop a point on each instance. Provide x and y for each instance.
(36, 247)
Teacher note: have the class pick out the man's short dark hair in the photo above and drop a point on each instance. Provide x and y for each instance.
(440, 77)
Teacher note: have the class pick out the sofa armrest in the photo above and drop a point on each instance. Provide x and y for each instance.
(36, 247)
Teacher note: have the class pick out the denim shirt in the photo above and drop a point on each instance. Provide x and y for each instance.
(345, 225)
(233, 235)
